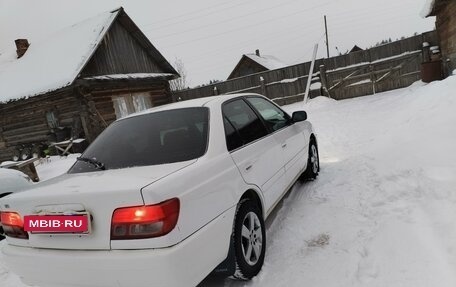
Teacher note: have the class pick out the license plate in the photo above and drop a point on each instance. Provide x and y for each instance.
(78, 223)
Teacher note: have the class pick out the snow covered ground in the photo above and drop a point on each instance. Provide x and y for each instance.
(383, 210)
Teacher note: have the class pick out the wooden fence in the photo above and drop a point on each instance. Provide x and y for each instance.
(391, 66)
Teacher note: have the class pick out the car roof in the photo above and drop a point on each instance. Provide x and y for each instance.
(200, 102)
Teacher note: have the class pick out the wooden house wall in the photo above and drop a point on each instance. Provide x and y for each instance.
(446, 28)
(102, 95)
(120, 53)
(246, 67)
(24, 121)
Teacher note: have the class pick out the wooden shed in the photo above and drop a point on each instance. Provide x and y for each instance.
(255, 63)
(76, 82)
(445, 11)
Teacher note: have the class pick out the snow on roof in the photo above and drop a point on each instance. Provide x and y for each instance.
(131, 76)
(269, 62)
(427, 9)
(54, 61)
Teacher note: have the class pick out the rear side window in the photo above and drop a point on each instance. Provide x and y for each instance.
(244, 121)
(150, 139)
(274, 117)
(233, 139)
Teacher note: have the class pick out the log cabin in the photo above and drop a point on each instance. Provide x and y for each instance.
(445, 12)
(77, 81)
(255, 63)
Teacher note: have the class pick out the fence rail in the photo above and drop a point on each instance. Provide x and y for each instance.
(383, 68)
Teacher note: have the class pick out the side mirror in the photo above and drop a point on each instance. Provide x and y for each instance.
(299, 116)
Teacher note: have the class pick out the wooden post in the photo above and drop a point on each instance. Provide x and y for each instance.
(327, 38)
(85, 126)
(324, 81)
(84, 113)
(91, 119)
(309, 77)
(372, 78)
(426, 52)
(2, 140)
(263, 87)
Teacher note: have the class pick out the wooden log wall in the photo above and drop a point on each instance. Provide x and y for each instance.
(446, 28)
(100, 108)
(24, 121)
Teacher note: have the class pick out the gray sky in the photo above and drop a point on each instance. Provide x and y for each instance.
(211, 35)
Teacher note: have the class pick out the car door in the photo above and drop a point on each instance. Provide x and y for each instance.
(291, 136)
(256, 153)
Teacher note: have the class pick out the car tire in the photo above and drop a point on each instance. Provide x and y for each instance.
(2, 234)
(26, 153)
(313, 161)
(16, 155)
(37, 152)
(249, 240)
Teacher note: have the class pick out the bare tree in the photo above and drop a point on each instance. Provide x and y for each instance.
(179, 83)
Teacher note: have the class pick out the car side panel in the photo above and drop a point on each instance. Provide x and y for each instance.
(295, 142)
(261, 164)
(206, 189)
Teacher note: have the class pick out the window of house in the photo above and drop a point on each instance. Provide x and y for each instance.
(52, 120)
(131, 103)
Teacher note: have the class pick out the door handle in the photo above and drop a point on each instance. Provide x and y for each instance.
(284, 145)
(247, 168)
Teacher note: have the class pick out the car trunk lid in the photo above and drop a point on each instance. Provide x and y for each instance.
(97, 194)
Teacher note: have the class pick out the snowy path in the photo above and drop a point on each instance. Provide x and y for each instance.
(383, 210)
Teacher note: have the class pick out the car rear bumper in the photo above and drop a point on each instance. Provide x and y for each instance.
(184, 264)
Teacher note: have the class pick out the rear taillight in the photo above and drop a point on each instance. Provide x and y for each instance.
(12, 224)
(145, 221)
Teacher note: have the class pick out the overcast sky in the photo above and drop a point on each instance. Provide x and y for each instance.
(210, 36)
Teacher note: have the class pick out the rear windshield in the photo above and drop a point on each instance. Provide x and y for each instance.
(150, 139)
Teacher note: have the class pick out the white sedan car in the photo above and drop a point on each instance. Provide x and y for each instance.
(163, 197)
(13, 181)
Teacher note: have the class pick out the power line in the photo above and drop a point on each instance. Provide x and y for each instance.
(231, 47)
(242, 45)
(248, 26)
(196, 11)
(227, 63)
(196, 17)
(226, 21)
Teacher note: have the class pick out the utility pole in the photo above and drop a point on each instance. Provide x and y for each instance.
(326, 33)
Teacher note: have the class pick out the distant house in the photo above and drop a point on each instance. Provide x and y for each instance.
(80, 80)
(355, 49)
(445, 10)
(255, 63)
